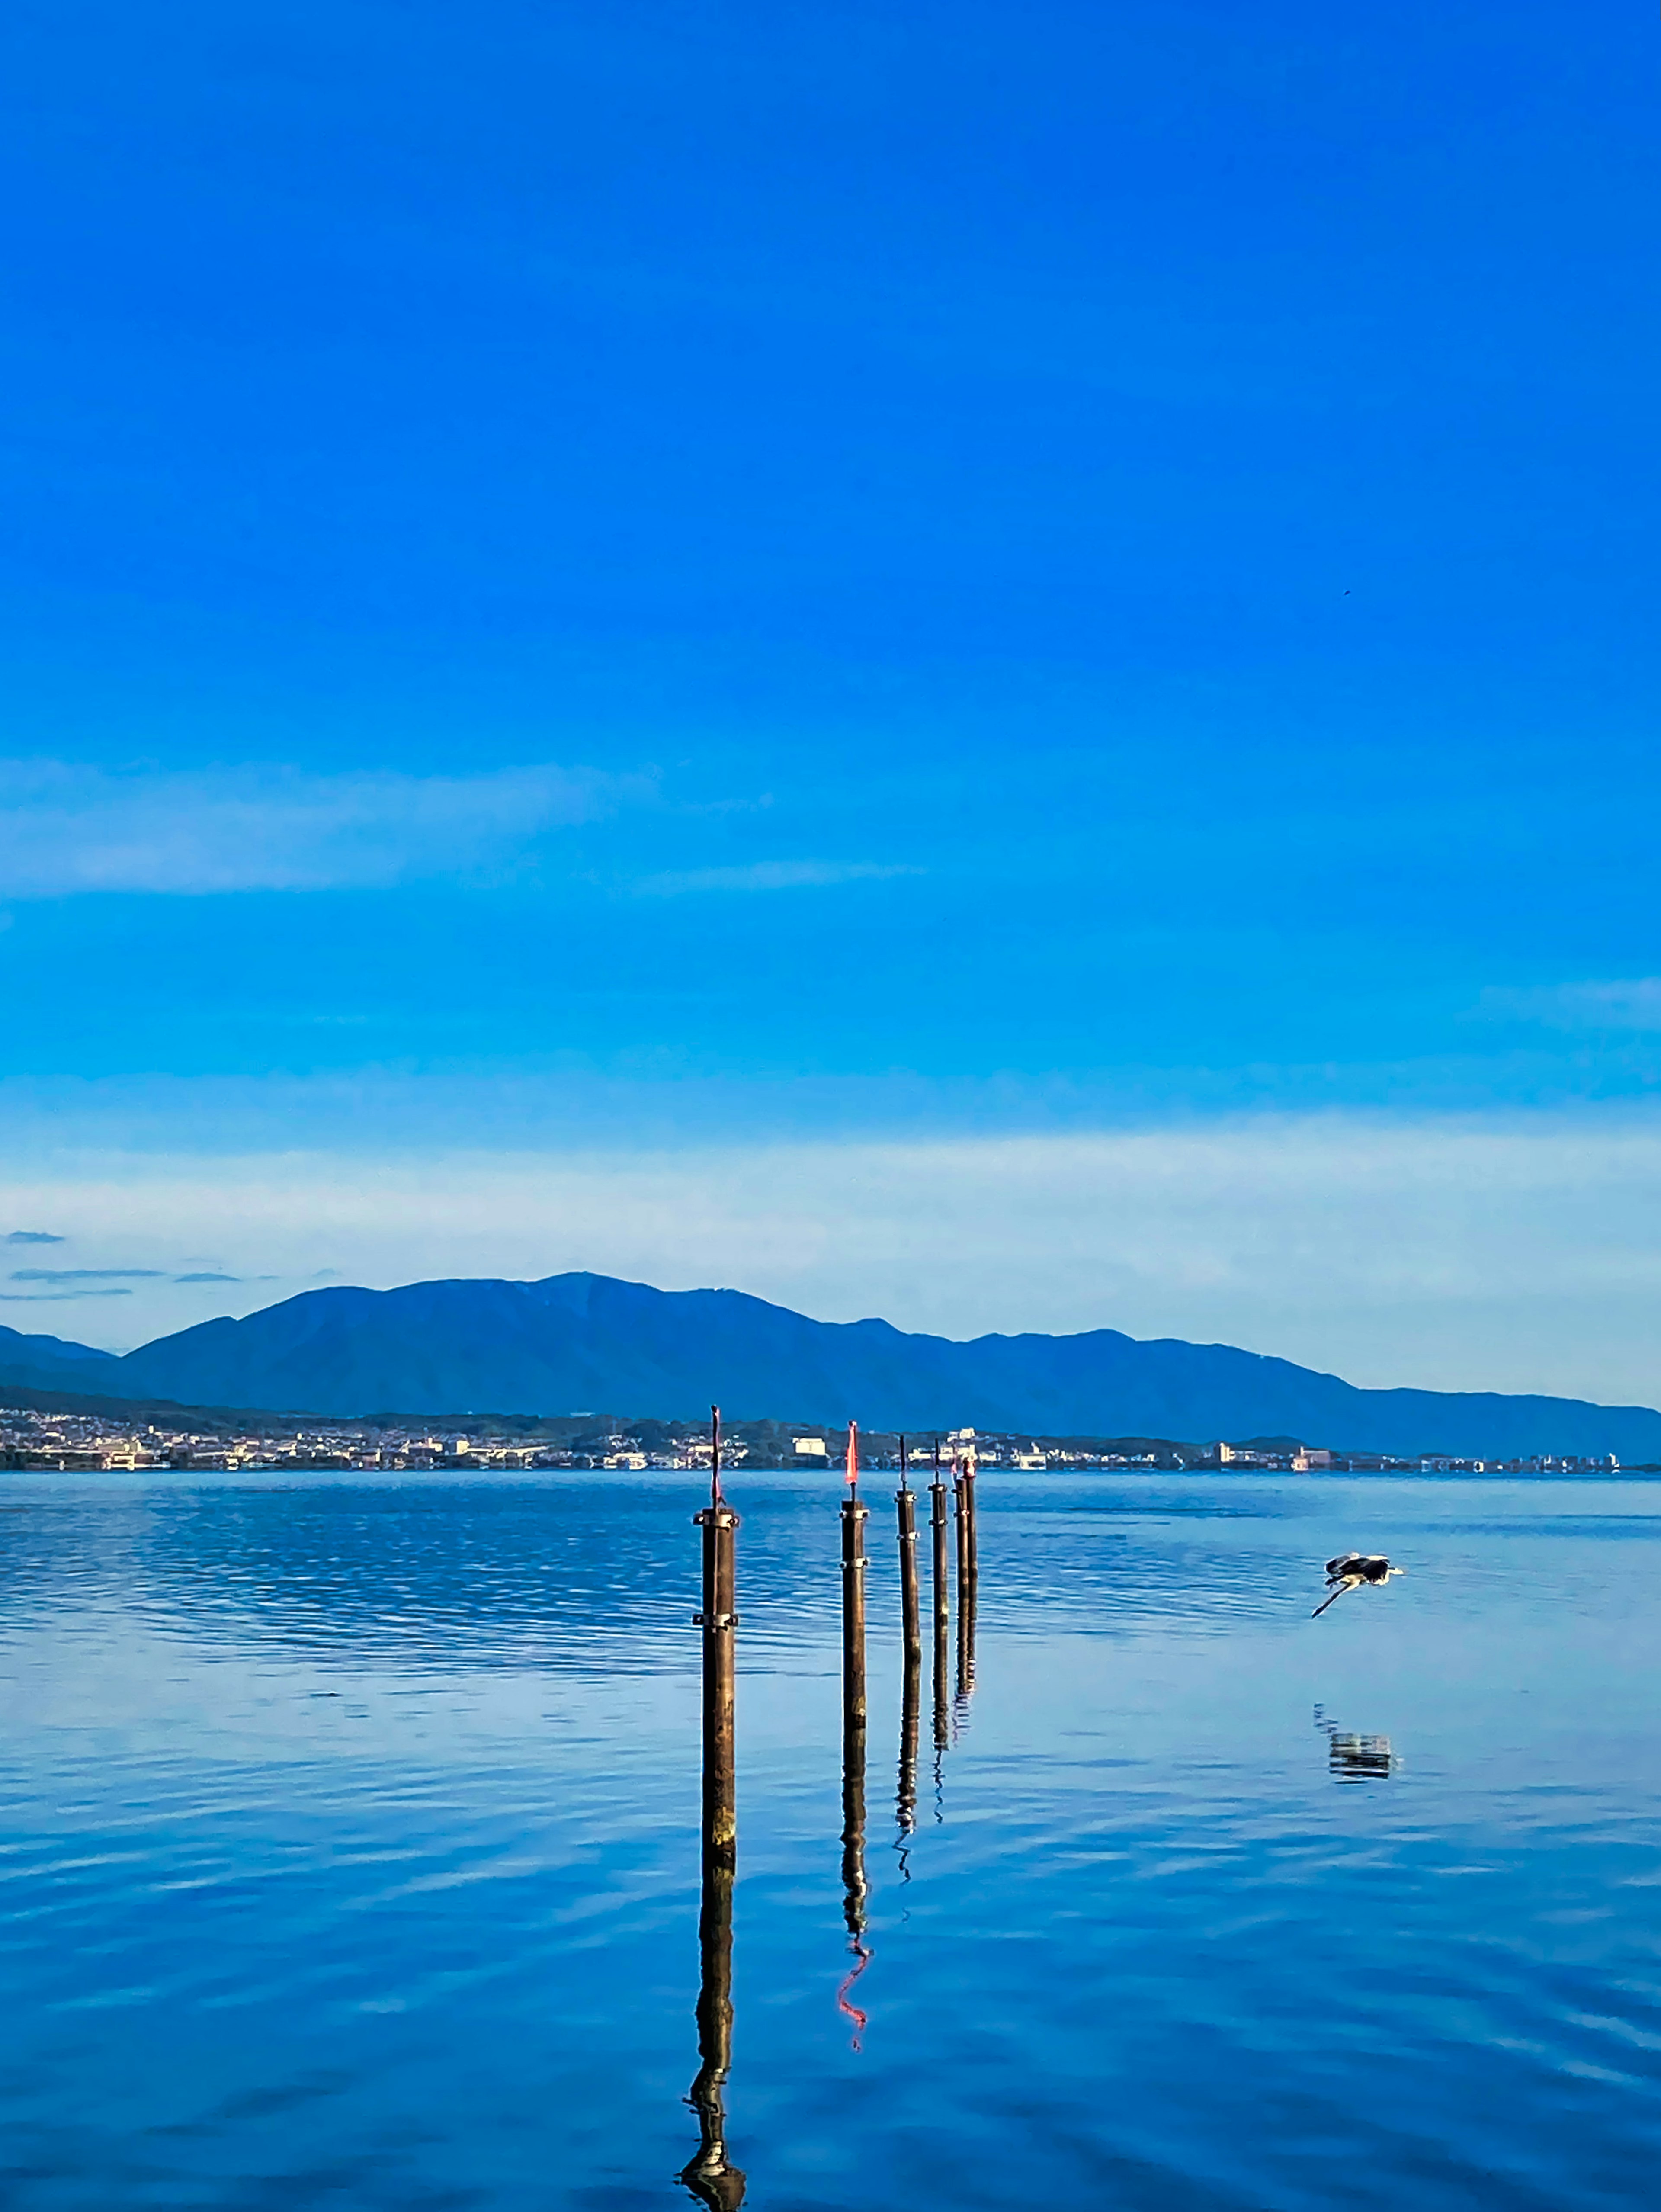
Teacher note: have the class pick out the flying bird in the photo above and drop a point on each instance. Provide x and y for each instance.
(1350, 1571)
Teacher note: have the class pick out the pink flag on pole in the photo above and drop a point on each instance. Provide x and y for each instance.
(853, 1451)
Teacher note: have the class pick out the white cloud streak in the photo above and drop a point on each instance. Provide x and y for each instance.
(772, 876)
(65, 828)
(1629, 1003)
(61, 1275)
(1452, 1254)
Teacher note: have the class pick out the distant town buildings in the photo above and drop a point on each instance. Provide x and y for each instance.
(106, 1442)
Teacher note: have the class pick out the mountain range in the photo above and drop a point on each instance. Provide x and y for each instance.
(577, 1342)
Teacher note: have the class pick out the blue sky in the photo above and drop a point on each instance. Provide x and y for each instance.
(739, 594)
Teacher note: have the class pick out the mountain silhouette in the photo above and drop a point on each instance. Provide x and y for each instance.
(579, 1342)
(53, 1362)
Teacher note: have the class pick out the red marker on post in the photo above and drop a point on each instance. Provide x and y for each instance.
(853, 1453)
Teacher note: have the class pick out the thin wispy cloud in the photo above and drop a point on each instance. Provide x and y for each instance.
(88, 1274)
(34, 1237)
(56, 1297)
(772, 876)
(65, 828)
(1627, 1003)
(207, 1276)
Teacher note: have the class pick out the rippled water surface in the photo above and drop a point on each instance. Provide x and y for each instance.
(350, 1850)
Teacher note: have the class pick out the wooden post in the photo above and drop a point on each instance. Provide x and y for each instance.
(960, 1529)
(942, 1599)
(709, 2176)
(972, 1537)
(720, 1620)
(854, 1515)
(911, 1692)
(972, 1575)
(968, 1576)
(904, 1503)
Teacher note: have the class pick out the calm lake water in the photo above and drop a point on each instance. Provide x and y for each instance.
(350, 1850)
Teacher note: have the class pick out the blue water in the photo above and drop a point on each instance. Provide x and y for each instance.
(350, 1850)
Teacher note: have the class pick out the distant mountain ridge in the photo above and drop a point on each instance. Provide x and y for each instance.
(580, 1341)
(51, 1354)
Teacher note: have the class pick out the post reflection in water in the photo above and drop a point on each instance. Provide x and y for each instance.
(709, 2175)
(905, 1811)
(854, 1884)
(966, 1610)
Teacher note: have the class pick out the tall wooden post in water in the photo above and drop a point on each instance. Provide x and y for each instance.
(968, 1572)
(709, 2175)
(968, 1569)
(942, 1599)
(854, 1515)
(905, 1502)
(972, 1542)
(961, 1530)
(719, 1618)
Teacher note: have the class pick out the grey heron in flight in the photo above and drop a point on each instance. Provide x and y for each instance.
(1350, 1571)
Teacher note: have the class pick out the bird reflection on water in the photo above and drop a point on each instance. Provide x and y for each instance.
(1352, 1758)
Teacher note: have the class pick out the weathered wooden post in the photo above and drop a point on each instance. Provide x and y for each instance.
(709, 2176)
(904, 1503)
(968, 1573)
(959, 1529)
(970, 1598)
(972, 1537)
(911, 1689)
(966, 1623)
(942, 1598)
(854, 1513)
(720, 1620)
